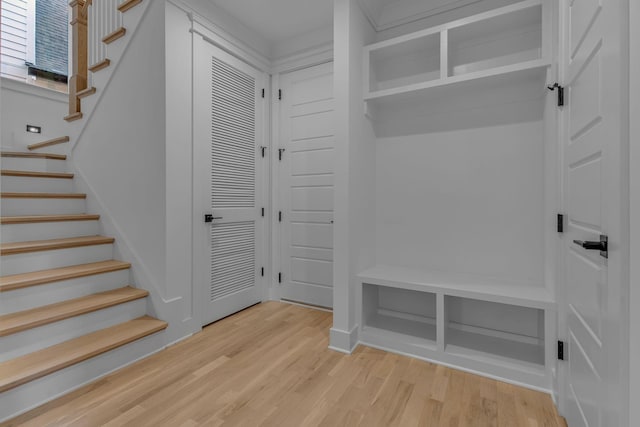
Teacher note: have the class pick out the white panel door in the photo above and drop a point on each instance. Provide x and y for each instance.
(306, 185)
(593, 183)
(227, 182)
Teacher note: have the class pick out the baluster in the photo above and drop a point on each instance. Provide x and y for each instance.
(79, 35)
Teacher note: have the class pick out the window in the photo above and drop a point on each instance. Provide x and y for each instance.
(35, 41)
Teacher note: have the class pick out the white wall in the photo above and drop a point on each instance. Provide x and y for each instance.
(634, 300)
(463, 201)
(354, 239)
(24, 104)
(250, 40)
(179, 152)
(120, 155)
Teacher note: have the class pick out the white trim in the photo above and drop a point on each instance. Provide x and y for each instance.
(308, 58)
(460, 368)
(634, 198)
(217, 36)
(274, 226)
(33, 90)
(343, 341)
(312, 307)
(31, 32)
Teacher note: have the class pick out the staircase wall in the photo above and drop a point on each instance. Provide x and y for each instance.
(120, 161)
(43, 107)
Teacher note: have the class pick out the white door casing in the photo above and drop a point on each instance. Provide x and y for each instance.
(306, 133)
(229, 183)
(594, 203)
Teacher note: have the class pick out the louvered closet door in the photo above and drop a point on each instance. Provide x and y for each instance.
(228, 133)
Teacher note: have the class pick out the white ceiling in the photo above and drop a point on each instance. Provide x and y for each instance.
(280, 20)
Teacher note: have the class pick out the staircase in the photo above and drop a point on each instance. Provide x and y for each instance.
(68, 313)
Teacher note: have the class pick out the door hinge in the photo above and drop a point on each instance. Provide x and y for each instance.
(280, 94)
(560, 93)
(561, 351)
(280, 151)
(263, 93)
(262, 271)
(279, 216)
(560, 223)
(262, 212)
(262, 150)
(279, 277)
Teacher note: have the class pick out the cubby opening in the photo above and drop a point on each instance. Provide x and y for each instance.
(503, 40)
(495, 332)
(403, 64)
(400, 311)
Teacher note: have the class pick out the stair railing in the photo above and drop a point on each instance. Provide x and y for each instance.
(91, 21)
(79, 66)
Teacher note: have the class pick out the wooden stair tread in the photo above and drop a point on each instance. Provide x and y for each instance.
(52, 244)
(31, 219)
(73, 117)
(11, 195)
(128, 4)
(21, 321)
(100, 65)
(34, 278)
(49, 156)
(110, 38)
(21, 370)
(31, 174)
(86, 92)
(48, 143)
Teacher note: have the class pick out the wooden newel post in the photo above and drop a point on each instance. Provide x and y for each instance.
(79, 52)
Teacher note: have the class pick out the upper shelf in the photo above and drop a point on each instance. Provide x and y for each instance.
(510, 41)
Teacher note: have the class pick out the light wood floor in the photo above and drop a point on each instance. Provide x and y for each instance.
(270, 366)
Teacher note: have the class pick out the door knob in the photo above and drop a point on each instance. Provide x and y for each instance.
(210, 218)
(602, 245)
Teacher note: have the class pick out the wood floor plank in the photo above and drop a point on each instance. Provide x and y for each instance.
(270, 366)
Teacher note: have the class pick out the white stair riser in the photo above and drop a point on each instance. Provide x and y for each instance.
(36, 185)
(34, 165)
(15, 207)
(35, 339)
(44, 260)
(48, 230)
(35, 393)
(51, 293)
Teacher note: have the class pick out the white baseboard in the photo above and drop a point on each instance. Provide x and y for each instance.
(343, 341)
